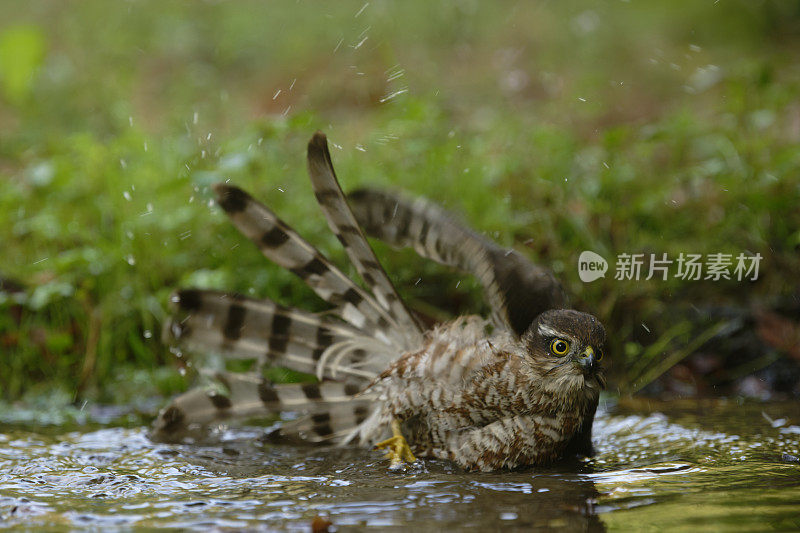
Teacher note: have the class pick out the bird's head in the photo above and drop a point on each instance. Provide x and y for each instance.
(567, 348)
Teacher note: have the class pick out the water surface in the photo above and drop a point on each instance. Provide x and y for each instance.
(690, 465)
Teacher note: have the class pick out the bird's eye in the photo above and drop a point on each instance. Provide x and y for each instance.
(598, 354)
(559, 346)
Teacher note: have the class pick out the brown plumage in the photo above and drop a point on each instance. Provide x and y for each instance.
(521, 389)
(498, 401)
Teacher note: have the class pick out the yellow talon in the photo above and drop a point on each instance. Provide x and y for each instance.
(397, 449)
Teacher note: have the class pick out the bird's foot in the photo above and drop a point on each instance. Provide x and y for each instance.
(397, 449)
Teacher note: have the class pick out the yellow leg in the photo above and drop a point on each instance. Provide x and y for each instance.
(397, 448)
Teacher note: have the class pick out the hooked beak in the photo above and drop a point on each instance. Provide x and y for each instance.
(587, 359)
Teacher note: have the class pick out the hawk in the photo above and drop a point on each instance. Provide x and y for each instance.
(520, 388)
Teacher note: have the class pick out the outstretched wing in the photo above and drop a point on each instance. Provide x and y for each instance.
(355, 341)
(333, 408)
(282, 245)
(516, 289)
(344, 225)
(248, 328)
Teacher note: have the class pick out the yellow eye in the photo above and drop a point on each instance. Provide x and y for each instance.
(598, 354)
(559, 346)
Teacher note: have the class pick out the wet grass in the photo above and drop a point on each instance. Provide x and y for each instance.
(616, 128)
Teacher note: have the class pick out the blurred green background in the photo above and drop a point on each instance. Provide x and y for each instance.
(619, 127)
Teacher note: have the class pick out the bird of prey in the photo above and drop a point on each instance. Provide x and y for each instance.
(519, 388)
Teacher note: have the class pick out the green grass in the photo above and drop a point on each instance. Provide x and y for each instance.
(616, 127)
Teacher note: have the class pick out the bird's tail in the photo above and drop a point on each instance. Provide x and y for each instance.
(357, 339)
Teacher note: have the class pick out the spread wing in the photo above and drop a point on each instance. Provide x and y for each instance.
(516, 289)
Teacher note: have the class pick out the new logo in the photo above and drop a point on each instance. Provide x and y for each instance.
(591, 266)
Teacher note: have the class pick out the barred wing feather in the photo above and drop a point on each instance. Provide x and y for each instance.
(516, 289)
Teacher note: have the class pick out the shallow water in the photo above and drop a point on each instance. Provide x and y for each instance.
(684, 465)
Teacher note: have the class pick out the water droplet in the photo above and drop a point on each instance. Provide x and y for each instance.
(130, 260)
(127, 195)
(147, 334)
(393, 95)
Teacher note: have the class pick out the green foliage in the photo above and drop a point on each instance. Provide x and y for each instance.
(624, 127)
(21, 54)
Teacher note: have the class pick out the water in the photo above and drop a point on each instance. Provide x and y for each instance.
(683, 465)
